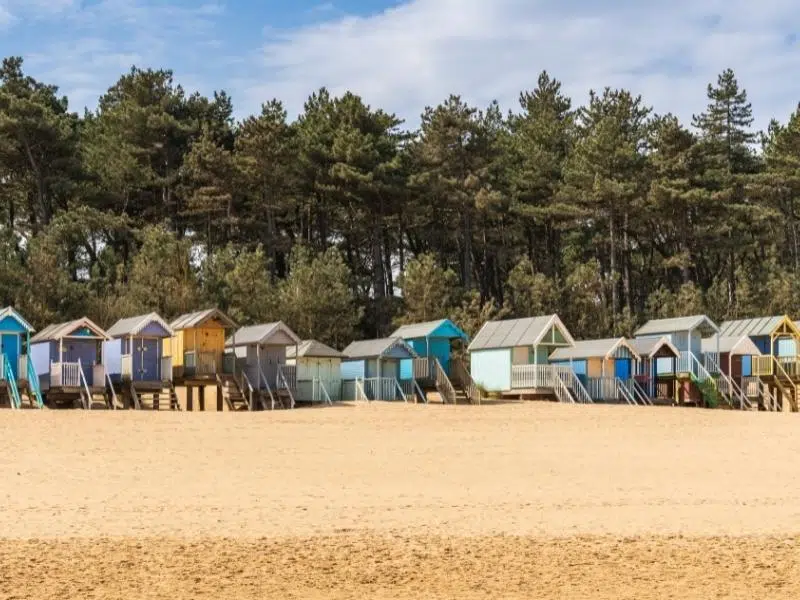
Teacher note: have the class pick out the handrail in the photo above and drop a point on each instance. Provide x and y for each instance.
(281, 376)
(729, 387)
(33, 384)
(110, 385)
(443, 381)
(360, 393)
(82, 379)
(400, 390)
(246, 381)
(325, 393)
(562, 392)
(11, 381)
(779, 370)
(420, 393)
(625, 393)
(639, 393)
(137, 404)
(573, 383)
(264, 380)
(467, 382)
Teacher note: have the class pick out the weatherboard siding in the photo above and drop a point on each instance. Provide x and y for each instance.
(492, 369)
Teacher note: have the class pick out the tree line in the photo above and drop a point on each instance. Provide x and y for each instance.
(344, 223)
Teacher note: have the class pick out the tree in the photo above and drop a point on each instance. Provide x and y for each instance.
(429, 291)
(530, 293)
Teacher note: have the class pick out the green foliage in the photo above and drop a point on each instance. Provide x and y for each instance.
(343, 223)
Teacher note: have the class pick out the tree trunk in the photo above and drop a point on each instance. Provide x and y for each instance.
(613, 266)
(466, 267)
(626, 276)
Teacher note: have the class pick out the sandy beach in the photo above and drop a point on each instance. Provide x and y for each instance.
(382, 501)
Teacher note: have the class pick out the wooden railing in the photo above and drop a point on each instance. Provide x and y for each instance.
(762, 366)
(638, 392)
(284, 384)
(3, 361)
(411, 389)
(286, 377)
(263, 384)
(603, 389)
(570, 379)
(443, 384)
(127, 366)
(200, 363)
(532, 377)
(166, 368)
(383, 388)
(461, 374)
(313, 390)
(790, 365)
(423, 369)
(65, 375)
(360, 393)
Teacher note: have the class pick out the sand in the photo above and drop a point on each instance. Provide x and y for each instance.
(379, 501)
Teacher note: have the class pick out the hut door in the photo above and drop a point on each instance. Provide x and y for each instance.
(148, 367)
(10, 348)
(622, 368)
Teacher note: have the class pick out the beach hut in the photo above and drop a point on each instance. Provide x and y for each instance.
(319, 371)
(605, 367)
(135, 364)
(67, 358)
(654, 371)
(433, 340)
(512, 358)
(15, 369)
(197, 345)
(778, 340)
(260, 352)
(371, 369)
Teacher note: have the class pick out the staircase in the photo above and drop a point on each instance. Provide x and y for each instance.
(464, 384)
(235, 393)
(729, 389)
(150, 396)
(787, 386)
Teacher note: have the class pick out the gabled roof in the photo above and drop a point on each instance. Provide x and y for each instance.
(662, 326)
(133, 325)
(262, 334)
(650, 347)
(196, 319)
(10, 312)
(593, 349)
(441, 328)
(514, 333)
(59, 331)
(738, 345)
(761, 326)
(377, 348)
(313, 349)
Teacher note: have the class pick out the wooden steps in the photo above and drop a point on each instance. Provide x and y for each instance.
(155, 396)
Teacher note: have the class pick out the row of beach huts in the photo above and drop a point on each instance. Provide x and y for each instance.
(205, 361)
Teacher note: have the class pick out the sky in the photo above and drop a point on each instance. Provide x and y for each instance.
(403, 55)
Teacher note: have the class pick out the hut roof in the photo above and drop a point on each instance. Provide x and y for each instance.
(518, 332)
(593, 349)
(313, 349)
(262, 334)
(377, 348)
(133, 325)
(195, 319)
(756, 327)
(60, 331)
(738, 345)
(10, 312)
(441, 328)
(649, 347)
(660, 326)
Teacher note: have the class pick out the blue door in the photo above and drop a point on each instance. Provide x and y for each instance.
(10, 348)
(622, 368)
(747, 366)
(147, 351)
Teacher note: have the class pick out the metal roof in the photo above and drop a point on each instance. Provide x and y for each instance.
(133, 325)
(514, 333)
(593, 349)
(261, 334)
(649, 347)
(657, 326)
(738, 345)
(59, 331)
(754, 327)
(376, 348)
(195, 319)
(10, 312)
(421, 330)
(313, 349)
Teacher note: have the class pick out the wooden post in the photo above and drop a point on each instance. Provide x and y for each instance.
(156, 402)
(219, 398)
(189, 398)
(201, 391)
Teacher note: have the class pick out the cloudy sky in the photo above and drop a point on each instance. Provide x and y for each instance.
(404, 55)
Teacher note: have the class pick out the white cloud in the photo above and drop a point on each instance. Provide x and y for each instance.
(418, 52)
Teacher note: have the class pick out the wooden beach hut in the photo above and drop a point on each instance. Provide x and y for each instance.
(319, 371)
(260, 367)
(439, 368)
(605, 367)
(197, 345)
(15, 369)
(371, 370)
(778, 340)
(654, 371)
(134, 360)
(67, 358)
(512, 358)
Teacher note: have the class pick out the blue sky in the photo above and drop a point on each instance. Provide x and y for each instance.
(405, 54)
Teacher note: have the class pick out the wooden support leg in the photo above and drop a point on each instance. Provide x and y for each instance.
(156, 402)
(219, 399)
(202, 394)
(189, 398)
